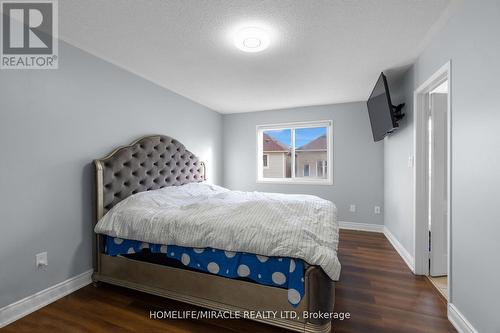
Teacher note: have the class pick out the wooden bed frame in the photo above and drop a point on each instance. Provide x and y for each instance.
(157, 161)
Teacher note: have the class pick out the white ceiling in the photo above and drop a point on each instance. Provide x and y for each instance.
(321, 52)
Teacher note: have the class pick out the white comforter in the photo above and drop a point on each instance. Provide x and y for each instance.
(202, 215)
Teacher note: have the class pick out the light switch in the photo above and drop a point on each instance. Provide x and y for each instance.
(41, 260)
(410, 161)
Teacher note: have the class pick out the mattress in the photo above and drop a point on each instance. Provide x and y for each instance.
(272, 271)
(201, 215)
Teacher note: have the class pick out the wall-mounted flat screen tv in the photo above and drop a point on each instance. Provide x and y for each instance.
(383, 115)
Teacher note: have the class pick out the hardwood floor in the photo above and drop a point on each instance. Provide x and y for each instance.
(381, 292)
(376, 288)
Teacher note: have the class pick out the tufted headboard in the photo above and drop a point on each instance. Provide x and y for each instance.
(150, 163)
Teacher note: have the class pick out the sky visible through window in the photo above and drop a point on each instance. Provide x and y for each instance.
(302, 135)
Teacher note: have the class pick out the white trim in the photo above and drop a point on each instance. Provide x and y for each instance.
(459, 321)
(361, 226)
(403, 253)
(293, 158)
(283, 164)
(421, 232)
(21, 308)
(292, 126)
(290, 181)
(297, 124)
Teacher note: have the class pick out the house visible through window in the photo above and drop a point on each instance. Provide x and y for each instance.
(295, 153)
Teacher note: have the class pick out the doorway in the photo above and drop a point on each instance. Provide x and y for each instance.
(437, 194)
(432, 180)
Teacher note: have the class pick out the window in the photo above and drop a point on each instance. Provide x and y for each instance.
(295, 153)
(265, 161)
(321, 169)
(306, 170)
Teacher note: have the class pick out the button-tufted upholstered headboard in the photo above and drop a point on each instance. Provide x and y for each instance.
(150, 163)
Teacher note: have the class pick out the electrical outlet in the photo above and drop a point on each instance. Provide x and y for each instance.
(41, 260)
(377, 210)
(352, 208)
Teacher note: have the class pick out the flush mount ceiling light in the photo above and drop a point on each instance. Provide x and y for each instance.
(251, 39)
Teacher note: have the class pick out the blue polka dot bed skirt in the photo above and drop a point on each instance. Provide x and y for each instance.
(285, 273)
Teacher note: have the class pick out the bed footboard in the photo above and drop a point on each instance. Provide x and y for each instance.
(220, 293)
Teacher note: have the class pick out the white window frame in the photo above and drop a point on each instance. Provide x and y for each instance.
(265, 166)
(295, 180)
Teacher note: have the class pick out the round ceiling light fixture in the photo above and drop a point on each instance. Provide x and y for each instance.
(251, 39)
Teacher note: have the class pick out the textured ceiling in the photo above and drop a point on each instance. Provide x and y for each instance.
(321, 52)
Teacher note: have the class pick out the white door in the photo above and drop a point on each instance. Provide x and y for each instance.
(438, 185)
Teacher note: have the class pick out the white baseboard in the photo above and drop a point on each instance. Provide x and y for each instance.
(407, 257)
(361, 226)
(21, 308)
(459, 321)
(454, 316)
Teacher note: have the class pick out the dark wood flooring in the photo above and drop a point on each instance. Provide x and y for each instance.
(376, 288)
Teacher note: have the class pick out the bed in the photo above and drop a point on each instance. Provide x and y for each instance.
(160, 165)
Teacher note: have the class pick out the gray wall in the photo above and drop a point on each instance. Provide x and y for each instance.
(52, 125)
(470, 40)
(398, 176)
(357, 160)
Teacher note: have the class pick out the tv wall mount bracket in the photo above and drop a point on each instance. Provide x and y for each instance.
(398, 113)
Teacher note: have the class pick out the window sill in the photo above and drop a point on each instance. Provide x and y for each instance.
(295, 181)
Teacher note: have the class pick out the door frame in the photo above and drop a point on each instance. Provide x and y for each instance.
(420, 179)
